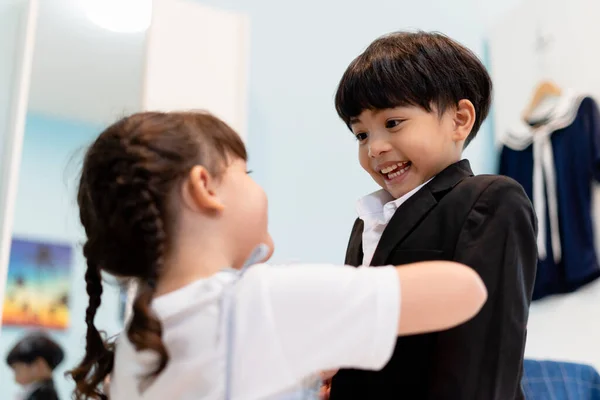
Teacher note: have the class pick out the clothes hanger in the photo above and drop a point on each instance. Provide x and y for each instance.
(542, 102)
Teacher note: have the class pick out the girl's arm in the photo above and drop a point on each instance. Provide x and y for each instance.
(437, 295)
(299, 319)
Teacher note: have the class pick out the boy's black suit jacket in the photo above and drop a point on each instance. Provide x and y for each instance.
(486, 222)
(45, 391)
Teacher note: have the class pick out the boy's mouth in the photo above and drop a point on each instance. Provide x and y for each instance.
(395, 170)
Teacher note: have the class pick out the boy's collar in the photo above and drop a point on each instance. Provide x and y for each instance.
(373, 203)
(27, 390)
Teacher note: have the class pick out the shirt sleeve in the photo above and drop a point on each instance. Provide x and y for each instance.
(294, 321)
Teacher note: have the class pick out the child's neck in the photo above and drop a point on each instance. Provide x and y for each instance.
(192, 260)
(44, 374)
(44, 377)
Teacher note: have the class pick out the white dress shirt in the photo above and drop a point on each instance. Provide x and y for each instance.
(376, 211)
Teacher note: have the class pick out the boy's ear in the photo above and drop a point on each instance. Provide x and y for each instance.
(464, 119)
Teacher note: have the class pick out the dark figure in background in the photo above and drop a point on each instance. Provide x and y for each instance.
(33, 360)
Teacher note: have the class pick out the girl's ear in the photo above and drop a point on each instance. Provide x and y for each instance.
(199, 191)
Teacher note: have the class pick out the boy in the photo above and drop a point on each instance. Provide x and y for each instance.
(33, 360)
(414, 101)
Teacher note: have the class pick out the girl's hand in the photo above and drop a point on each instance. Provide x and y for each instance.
(326, 376)
(324, 393)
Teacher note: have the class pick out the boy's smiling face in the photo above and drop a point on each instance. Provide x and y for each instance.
(404, 147)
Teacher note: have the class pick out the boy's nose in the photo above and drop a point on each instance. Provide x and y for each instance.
(378, 147)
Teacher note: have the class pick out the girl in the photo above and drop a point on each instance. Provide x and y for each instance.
(165, 200)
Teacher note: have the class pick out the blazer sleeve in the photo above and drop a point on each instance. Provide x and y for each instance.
(483, 358)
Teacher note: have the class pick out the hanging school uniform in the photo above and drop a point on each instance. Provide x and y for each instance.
(556, 163)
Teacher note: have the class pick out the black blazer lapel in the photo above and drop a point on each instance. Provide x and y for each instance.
(354, 252)
(406, 217)
(409, 214)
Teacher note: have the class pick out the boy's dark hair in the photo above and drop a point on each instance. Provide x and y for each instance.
(414, 69)
(34, 346)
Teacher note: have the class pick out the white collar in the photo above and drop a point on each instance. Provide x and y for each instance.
(559, 116)
(382, 204)
(373, 203)
(27, 390)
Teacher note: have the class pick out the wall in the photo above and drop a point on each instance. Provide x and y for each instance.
(46, 210)
(212, 77)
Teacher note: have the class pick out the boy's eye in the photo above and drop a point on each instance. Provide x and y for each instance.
(249, 172)
(361, 136)
(392, 123)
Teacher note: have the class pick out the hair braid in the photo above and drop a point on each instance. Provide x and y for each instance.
(99, 359)
(145, 330)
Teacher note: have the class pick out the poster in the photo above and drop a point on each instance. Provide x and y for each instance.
(38, 283)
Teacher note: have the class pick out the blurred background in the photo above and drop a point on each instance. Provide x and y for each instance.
(269, 68)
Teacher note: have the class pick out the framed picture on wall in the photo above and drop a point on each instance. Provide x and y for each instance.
(38, 284)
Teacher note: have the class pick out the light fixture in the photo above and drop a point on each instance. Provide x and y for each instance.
(123, 16)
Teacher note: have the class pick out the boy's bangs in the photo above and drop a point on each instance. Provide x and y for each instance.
(377, 85)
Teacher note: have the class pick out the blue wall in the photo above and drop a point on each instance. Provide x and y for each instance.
(46, 210)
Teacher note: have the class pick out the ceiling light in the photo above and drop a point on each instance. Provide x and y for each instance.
(123, 16)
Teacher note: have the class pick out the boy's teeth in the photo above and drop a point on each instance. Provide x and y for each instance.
(398, 173)
(389, 169)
